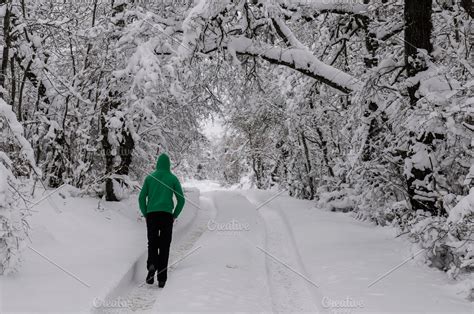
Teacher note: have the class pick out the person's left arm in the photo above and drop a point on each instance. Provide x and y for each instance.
(142, 198)
(178, 192)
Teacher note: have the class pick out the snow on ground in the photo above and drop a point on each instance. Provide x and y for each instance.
(232, 250)
(226, 273)
(97, 242)
(94, 243)
(344, 257)
(132, 294)
(202, 185)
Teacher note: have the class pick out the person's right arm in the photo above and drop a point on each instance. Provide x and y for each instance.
(142, 198)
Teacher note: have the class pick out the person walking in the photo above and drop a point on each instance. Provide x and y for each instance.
(157, 206)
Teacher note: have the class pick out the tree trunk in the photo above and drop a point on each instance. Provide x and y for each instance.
(6, 47)
(127, 144)
(324, 148)
(124, 150)
(308, 167)
(109, 157)
(420, 179)
(418, 29)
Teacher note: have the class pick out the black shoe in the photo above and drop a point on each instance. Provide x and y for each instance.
(150, 277)
(161, 284)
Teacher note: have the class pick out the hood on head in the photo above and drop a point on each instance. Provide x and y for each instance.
(163, 163)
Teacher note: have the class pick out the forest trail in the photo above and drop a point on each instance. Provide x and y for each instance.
(290, 287)
(133, 294)
(364, 108)
(245, 253)
(352, 266)
(232, 250)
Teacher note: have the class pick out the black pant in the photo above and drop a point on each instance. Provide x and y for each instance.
(159, 231)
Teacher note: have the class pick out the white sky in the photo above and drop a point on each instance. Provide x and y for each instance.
(213, 128)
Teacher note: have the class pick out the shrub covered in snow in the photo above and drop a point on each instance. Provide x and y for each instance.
(12, 223)
(461, 222)
(448, 240)
(13, 226)
(342, 200)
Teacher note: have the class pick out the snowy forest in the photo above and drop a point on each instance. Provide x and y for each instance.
(358, 106)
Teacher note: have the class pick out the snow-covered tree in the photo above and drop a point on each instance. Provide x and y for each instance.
(13, 224)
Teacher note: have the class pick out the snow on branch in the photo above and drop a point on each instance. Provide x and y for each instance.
(286, 33)
(17, 130)
(205, 10)
(300, 60)
(324, 6)
(297, 56)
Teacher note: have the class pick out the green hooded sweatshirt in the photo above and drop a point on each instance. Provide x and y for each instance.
(158, 189)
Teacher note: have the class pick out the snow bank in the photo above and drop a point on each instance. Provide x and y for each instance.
(343, 200)
(346, 256)
(93, 240)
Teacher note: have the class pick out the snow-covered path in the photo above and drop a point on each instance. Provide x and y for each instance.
(297, 258)
(287, 256)
(227, 273)
(292, 289)
(133, 293)
(348, 259)
(245, 251)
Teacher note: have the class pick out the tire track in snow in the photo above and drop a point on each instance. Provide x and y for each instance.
(140, 297)
(290, 292)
